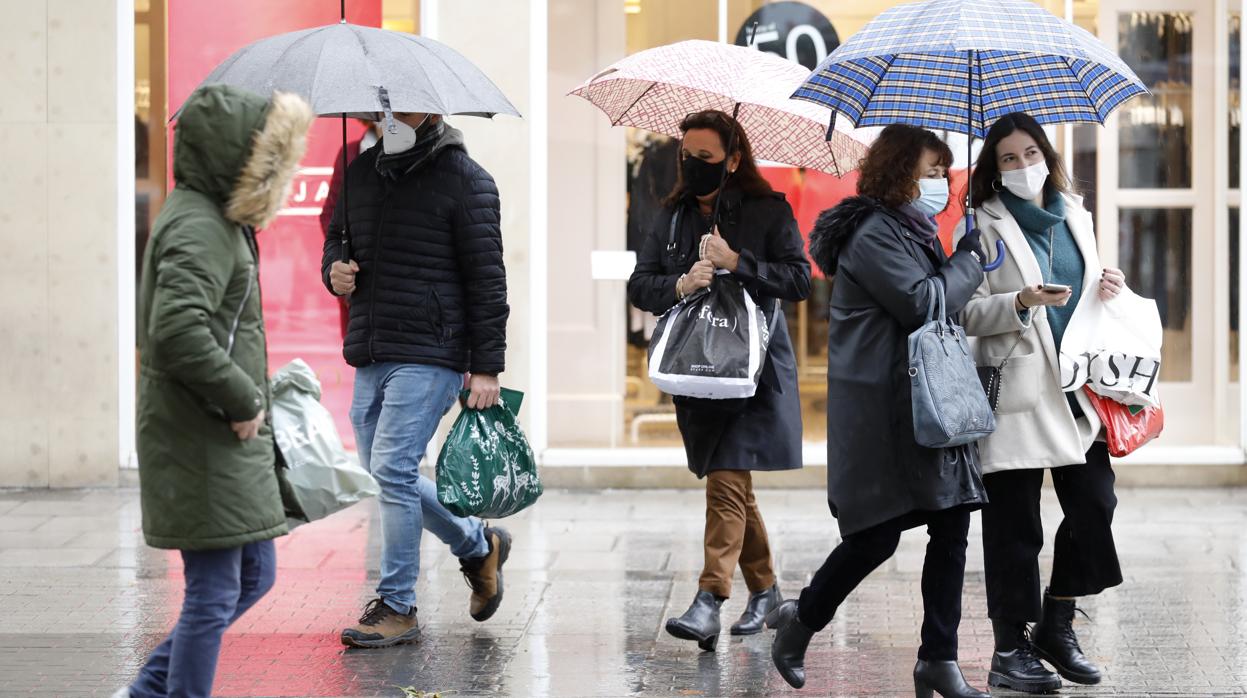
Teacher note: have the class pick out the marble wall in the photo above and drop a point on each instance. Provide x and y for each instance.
(58, 235)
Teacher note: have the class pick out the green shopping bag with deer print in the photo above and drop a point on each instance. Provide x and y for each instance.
(486, 467)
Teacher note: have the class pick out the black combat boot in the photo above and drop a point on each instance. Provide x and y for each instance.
(1014, 664)
(791, 640)
(754, 617)
(700, 622)
(1056, 644)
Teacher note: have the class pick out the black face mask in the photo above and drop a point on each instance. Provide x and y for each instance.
(702, 178)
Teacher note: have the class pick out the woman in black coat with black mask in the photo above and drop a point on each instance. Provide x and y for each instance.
(880, 248)
(757, 241)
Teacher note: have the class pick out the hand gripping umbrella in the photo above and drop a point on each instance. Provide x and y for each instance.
(346, 70)
(961, 64)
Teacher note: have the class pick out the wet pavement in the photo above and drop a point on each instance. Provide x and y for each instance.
(591, 578)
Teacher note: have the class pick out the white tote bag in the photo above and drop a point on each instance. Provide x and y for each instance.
(1114, 348)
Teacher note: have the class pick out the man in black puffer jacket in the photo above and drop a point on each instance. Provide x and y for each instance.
(428, 303)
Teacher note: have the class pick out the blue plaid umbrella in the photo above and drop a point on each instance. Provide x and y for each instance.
(961, 64)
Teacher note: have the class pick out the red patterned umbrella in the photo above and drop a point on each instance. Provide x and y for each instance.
(655, 89)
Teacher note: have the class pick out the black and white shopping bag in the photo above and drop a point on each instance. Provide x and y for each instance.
(711, 345)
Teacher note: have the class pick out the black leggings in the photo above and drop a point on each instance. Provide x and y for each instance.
(1084, 555)
(942, 574)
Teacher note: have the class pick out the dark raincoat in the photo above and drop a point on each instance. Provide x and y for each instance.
(764, 431)
(876, 471)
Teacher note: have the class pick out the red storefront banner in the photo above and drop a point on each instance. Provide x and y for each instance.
(300, 315)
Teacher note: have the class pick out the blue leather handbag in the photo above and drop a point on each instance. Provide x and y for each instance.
(950, 407)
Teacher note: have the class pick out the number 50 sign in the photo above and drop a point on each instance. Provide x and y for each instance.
(791, 30)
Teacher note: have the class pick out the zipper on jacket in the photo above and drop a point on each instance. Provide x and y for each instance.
(372, 282)
(233, 330)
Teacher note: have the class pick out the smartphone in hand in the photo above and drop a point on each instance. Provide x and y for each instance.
(1055, 288)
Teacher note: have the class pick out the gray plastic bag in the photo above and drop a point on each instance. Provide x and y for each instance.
(317, 471)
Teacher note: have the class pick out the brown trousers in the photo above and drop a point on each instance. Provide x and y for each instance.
(735, 534)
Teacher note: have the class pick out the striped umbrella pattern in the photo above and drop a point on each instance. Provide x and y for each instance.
(961, 64)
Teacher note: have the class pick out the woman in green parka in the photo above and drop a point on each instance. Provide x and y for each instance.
(206, 458)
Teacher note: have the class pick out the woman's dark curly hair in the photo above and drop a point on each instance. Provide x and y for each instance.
(887, 171)
(746, 178)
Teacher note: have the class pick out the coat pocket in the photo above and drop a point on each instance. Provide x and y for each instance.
(1019, 382)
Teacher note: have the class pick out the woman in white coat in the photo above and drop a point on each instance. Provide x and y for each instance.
(1019, 315)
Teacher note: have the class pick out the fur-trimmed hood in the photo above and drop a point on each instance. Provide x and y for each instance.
(241, 150)
(834, 227)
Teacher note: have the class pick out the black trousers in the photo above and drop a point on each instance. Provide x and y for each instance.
(942, 574)
(1084, 556)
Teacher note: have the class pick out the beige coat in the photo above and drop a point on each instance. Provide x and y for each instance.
(1035, 427)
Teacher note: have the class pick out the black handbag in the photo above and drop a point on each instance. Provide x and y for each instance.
(992, 376)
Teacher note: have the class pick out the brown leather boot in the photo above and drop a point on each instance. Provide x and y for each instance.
(484, 574)
(382, 626)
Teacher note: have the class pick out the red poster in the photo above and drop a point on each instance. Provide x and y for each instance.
(301, 317)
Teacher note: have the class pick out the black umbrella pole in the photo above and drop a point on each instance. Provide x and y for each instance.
(731, 143)
(346, 240)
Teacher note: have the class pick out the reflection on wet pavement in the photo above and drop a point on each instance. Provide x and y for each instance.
(590, 581)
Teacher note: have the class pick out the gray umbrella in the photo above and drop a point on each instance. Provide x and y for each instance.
(346, 70)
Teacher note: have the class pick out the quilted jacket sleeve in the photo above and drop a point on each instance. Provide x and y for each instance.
(194, 263)
(478, 246)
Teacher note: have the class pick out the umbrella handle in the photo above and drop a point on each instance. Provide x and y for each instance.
(1000, 257)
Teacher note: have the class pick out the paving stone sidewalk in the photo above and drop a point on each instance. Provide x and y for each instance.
(591, 579)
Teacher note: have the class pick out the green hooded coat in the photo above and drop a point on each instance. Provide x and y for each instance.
(201, 330)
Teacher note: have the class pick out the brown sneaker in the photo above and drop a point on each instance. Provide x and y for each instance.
(484, 574)
(382, 626)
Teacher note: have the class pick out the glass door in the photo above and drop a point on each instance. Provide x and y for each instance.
(1155, 197)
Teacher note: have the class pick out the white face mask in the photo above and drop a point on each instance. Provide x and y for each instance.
(1026, 183)
(932, 196)
(399, 137)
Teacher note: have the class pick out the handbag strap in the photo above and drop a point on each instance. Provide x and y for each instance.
(675, 224)
(1021, 336)
(936, 298)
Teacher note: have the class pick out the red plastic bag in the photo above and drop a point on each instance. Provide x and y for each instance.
(1127, 428)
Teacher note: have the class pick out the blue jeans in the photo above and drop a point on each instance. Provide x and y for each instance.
(220, 586)
(395, 412)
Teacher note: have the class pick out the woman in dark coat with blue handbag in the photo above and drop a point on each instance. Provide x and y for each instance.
(757, 241)
(881, 248)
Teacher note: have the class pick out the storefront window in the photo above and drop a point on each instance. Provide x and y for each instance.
(1156, 258)
(1235, 115)
(149, 118)
(1234, 299)
(1155, 129)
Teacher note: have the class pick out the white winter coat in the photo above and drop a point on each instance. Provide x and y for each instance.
(1035, 427)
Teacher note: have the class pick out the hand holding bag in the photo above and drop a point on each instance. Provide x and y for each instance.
(486, 467)
(712, 344)
(949, 405)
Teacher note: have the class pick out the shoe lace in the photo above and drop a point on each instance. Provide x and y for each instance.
(375, 612)
(1026, 650)
(471, 575)
(1067, 631)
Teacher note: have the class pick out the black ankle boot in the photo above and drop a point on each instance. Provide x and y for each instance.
(944, 678)
(700, 622)
(791, 640)
(1056, 643)
(754, 617)
(1014, 664)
